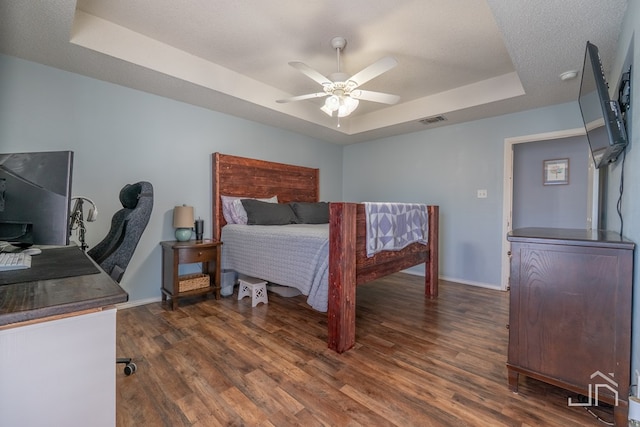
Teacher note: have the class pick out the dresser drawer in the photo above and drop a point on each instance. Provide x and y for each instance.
(191, 255)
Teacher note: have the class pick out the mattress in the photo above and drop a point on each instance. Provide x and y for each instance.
(295, 255)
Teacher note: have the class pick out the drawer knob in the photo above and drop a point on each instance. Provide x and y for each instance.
(199, 253)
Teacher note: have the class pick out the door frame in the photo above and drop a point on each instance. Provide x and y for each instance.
(507, 200)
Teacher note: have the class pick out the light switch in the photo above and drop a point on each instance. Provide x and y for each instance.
(482, 194)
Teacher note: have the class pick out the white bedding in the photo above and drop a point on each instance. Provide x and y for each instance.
(295, 255)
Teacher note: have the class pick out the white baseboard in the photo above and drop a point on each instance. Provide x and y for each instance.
(130, 304)
(472, 283)
(454, 279)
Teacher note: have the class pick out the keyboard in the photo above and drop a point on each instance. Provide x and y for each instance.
(14, 261)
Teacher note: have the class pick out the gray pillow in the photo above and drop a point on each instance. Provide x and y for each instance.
(263, 213)
(311, 213)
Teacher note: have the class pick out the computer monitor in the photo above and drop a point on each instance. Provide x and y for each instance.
(35, 197)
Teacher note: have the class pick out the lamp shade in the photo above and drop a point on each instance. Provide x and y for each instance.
(183, 216)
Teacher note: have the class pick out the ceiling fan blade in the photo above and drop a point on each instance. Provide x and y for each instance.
(310, 72)
(374, 70)
(367, 95)
(302, 97)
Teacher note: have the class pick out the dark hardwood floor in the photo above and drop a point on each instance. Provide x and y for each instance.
(417, 362)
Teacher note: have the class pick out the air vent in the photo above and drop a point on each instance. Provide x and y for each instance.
(432, 120)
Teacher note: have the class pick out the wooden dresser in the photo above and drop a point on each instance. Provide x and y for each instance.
(570, 312)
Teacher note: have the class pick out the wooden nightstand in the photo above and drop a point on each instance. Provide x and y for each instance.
(175, 253)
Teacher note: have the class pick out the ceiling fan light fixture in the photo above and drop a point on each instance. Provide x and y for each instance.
(339, 105)
(326, 110)
(347, 106)
(350, 85)
(332, 103)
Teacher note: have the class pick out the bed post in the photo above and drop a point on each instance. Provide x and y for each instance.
(342, 277)
(431, 266)
(215, 200)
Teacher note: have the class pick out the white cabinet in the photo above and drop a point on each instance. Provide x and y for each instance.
(59, 372)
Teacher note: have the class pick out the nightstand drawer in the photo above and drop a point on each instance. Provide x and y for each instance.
(196, 255)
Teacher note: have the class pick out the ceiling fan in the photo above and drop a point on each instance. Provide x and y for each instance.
(343, 92)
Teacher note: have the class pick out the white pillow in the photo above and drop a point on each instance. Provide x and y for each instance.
(226, 208)
(233, 211)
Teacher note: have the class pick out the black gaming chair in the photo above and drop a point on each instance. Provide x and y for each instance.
(114, 252)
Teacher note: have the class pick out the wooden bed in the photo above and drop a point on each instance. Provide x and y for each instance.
(348, 262)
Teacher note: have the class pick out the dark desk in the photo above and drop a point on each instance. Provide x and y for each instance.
(25, 301)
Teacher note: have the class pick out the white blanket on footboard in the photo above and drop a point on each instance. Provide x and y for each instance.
(394, 226)
(295, 255)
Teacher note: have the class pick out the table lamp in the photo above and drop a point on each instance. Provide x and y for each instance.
(183, 222)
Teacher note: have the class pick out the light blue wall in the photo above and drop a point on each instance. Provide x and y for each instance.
(120, 136)
(446, 166)
(629, 48)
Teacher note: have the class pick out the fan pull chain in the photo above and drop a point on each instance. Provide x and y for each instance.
(339, 70)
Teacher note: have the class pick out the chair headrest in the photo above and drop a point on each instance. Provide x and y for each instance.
(130, 194)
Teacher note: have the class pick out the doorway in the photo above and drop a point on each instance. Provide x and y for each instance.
(536, 217)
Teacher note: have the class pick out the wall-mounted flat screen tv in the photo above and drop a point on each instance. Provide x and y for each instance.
(601, 116)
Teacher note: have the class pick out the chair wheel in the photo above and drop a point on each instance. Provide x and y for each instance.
(130, 368)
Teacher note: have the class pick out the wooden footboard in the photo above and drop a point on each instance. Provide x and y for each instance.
(349, 267)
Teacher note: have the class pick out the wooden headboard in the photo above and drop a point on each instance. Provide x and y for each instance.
(241, 176)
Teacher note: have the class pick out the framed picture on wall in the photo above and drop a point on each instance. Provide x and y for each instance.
(555, 171)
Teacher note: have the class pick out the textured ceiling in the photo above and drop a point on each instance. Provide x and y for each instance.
(464, 59)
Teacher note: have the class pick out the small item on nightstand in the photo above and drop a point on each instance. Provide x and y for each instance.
(183, 222)
(199, 226)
